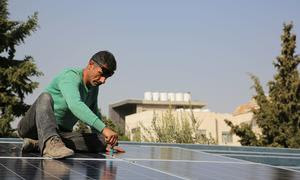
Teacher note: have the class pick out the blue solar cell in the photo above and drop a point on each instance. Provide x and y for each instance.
(139, 162)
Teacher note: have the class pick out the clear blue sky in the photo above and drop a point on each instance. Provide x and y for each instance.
(203, 47)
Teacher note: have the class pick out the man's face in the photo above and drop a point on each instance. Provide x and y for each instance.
(98, 74)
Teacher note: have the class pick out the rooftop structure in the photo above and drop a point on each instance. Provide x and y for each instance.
(152, 101)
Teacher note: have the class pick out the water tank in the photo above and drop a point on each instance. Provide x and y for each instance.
(148, 96)
(163, 96)
(188, 110)
(179, 96)
(179, 110)
(155, 96)
(205, 110)
(197, 110)
(187, 97)
(171, 96)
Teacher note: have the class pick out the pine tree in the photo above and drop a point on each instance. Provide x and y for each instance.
(15, 74)
(278, 115)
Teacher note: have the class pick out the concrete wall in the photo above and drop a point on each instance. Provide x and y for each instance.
(213, 123)
(118, 115)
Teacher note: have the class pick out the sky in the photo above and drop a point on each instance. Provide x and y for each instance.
(206, 48)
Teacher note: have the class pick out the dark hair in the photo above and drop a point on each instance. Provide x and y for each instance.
(105, 58)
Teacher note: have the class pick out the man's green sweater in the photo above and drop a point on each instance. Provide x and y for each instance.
(73, 101)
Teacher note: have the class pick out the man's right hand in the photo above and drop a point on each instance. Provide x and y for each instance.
(110, 136)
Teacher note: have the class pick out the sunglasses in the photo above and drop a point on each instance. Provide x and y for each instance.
(105, 72)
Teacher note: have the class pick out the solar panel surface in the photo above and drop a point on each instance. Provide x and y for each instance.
(141, 161)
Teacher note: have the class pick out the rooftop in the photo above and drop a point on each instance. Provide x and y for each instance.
(195, 104)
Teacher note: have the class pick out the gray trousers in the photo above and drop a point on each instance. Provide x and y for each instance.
(39, 123)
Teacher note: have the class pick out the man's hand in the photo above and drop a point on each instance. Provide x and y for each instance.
(110, 136)
(117, 149)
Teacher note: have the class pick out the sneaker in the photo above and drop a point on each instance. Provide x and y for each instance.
(56, 149)
(30, 145)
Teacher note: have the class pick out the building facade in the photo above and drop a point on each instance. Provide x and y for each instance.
(138, 115)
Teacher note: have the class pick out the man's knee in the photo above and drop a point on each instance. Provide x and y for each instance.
(27, 125)
(45, 97)
(44, 100)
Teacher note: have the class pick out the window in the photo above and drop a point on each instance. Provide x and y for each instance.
(226, 137)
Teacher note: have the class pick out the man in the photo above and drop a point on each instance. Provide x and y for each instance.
(71, 96)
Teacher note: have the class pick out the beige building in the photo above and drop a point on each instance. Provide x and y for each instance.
(135, 115)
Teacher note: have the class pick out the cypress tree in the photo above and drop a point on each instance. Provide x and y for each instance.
(15, 75)
(278, 115)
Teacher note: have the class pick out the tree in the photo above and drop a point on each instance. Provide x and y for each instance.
(170, 129)
(248, 137)
(278, 115)
(15, 82)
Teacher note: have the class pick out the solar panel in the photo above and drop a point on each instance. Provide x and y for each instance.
(141, 161)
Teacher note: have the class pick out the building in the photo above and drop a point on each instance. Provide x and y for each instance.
(134, 114)
(159, 101)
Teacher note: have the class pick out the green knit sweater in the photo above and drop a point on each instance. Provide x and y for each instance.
(73, 101)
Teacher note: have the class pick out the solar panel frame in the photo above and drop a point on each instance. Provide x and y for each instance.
(141, 161)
